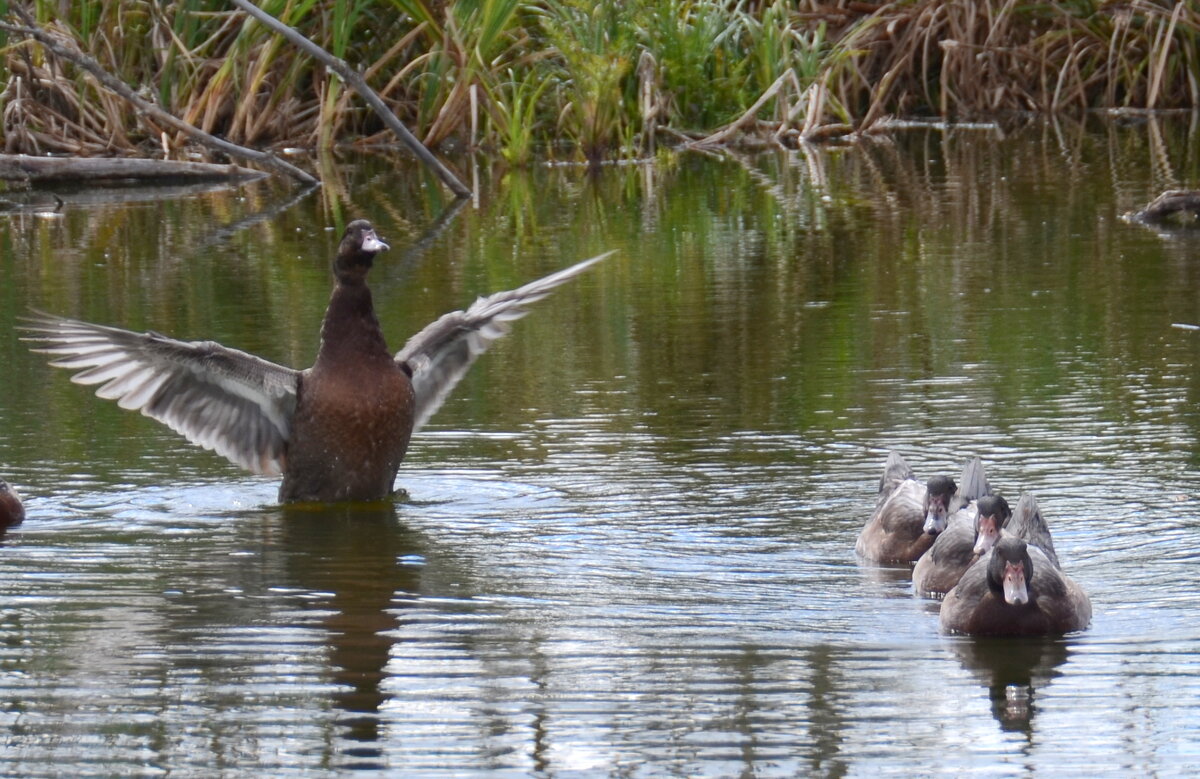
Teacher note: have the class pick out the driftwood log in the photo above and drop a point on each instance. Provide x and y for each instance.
(23, 167)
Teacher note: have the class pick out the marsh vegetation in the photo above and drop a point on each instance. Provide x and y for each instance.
(571, 79)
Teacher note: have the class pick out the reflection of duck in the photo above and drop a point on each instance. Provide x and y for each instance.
(1015, 590)
(959, 546)
(909, 514)
(1013, 671)
(11, 510)
(354, 556)
(336, 431)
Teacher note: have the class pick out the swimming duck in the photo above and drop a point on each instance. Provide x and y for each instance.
(1015, 590)
(11, 510)
(960, 545)
(336, 431)
(909, 514)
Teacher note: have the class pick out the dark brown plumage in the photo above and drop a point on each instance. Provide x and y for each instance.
(11, 510)
(1015, 590)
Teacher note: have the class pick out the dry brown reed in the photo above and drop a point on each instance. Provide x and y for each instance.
(968, 59)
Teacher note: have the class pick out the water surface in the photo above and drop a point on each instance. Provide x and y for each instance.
(625, 545)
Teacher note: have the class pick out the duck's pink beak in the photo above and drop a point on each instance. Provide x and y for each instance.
(373, 243)
(1015, 591)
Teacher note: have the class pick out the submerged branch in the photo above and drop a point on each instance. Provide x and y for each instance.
(359, 85)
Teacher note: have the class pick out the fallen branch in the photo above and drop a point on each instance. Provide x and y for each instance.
(114, 84)
(359, 85)
(23, 167)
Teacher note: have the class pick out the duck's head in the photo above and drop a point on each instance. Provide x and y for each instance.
(993, 512)
(938, 492)
(11, 510)
(1010, 570)
(357, 251)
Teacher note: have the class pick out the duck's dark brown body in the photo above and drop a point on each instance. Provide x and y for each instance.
(1046, 602)
(354, 410)
(336, 431)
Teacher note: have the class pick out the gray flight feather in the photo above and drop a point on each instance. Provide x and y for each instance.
(236, 404)
(440, 355)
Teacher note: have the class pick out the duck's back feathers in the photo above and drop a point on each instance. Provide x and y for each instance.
(952, 553)
(231, 402)
(1027, 524)
(894, 532)
(895, 472)
(972, 485)
(438, 357)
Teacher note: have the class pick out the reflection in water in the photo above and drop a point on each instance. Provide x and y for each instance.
(827, 718)
(1013, 671)
(361, 556)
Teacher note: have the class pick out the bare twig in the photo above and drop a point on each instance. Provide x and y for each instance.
(359, 85)
(144, 106)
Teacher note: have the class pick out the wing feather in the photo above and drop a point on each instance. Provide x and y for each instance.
(439, 356)
(231, 402)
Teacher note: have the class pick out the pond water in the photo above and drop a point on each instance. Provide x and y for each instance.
(625, 544)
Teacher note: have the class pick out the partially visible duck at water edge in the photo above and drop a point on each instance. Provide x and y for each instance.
(12, 512)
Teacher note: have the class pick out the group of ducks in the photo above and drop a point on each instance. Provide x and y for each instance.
(995, 570)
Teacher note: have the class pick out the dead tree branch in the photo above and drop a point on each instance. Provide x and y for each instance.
(359, 85)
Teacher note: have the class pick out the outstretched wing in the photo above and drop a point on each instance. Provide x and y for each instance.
(233, 403)
(439, 356)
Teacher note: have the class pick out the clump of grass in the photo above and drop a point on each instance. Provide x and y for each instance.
(516, 113)
(595, 56)
(469, 47)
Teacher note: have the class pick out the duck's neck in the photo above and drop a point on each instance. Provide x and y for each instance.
(351, 330)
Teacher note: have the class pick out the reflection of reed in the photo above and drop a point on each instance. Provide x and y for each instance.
(762, 283)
